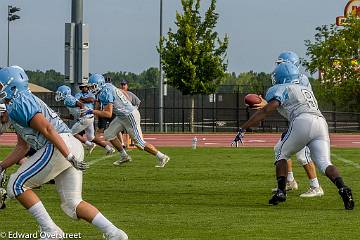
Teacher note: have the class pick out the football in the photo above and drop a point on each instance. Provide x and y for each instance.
(252, 99)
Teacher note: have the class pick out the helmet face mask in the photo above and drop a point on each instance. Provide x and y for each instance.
(12, 81)
(62, 92)
(96, 83)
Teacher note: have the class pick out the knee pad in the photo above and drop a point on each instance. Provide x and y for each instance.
(69, 207)
(108, 135)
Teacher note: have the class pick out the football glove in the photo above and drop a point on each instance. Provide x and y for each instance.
(238, 138)
(79, 165)
(2, 188)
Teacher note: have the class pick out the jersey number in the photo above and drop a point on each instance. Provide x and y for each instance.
(310, 99)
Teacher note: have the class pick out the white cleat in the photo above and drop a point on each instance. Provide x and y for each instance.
(163, 161)
(116, 235)
(91, 148)
(313, 192)
(52, 234)
(122, 160)
(111, 151)
(292, 185)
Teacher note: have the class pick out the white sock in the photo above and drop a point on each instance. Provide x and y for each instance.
(103, 224)
(290, 177)
(314, 183)
(88, 143)
(42, 217)
(108, 148)
(160, 155)
(123, 152)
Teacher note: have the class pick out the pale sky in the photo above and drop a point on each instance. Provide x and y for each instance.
(124, 33)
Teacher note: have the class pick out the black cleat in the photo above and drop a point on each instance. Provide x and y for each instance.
(347, 198)
(279, 196)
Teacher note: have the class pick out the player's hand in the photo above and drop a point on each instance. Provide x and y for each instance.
(259, 105)
(238, 138)
(79, 165)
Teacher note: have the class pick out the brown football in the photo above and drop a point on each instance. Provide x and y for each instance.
(252, 99)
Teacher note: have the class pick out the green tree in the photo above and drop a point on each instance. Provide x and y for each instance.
(334, 54)
(193, 57)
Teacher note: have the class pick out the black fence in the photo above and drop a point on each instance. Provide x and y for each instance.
(223, 111)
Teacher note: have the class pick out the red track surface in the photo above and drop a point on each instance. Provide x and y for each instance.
(219, 140)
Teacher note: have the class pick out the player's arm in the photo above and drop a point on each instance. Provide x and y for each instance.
(261, 114)
(41, 124)
(106, 112)
(88, 100)
(16, 155)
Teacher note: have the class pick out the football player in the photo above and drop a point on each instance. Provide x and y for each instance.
(58, 155)
(127, 118)
(307, 127)
(84, 121)
(303, 156)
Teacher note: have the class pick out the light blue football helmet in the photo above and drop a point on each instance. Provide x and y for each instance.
(62, 92)
(96, 82)
(285, 72)
(12, 81)
(288, 56)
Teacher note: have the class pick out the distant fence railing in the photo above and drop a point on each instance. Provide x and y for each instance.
(223, 111)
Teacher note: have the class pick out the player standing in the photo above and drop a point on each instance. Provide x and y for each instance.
(58, 155)
(307, 127)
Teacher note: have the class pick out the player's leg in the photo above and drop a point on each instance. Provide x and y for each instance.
(69, 187)
(315, 190)
(77, 128)
(133, 128)
(110, 134)
(320, 153)
(35, 171)
(294, 140)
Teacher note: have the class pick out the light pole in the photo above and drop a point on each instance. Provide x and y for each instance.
(161, 85)
(11, 17)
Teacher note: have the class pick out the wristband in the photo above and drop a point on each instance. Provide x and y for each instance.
(69, 157)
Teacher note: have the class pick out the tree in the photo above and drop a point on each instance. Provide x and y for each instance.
(193, 57)
(335, 53)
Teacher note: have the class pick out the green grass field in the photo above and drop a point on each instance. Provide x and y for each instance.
(208, 193)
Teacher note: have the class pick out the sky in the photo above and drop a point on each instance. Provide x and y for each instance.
(124, 33)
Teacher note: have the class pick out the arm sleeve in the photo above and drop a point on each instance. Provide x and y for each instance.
(106, 97)
(276, 92)
(23, 111)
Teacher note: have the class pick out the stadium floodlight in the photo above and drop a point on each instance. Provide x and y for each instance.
(11, 17)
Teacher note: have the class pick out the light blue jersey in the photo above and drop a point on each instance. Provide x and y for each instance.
(70, 104)
(294, 99)
(23, 108)
(121, 105)
(86, 95)
(305, 81)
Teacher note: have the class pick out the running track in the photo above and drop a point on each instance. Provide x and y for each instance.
(218, 140)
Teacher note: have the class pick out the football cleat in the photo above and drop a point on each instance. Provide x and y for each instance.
(123, 159)
(347, 198)
(292, 185)
(313, 192)
(278, 197)
(116, 235)
(163, 161)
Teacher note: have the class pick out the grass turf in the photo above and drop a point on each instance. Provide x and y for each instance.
(207, 193)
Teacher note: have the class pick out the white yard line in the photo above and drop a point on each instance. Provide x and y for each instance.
(344, 160)
(99, 159)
